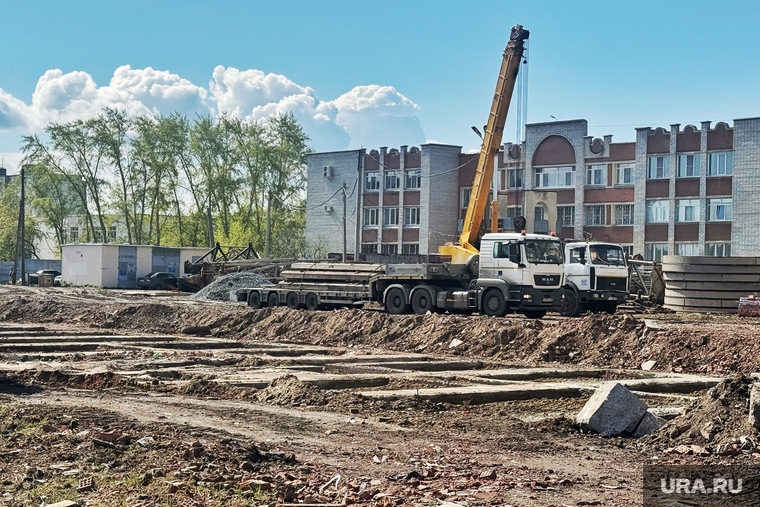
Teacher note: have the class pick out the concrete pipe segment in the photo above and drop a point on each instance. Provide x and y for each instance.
(709, 284)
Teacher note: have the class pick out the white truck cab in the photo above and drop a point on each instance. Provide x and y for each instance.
(526, 270)
(598, 275)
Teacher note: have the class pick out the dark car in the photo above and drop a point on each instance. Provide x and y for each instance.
(157, 280)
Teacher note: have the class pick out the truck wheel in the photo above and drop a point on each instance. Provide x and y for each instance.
(422, 302)
(395, 302)
(569, 306)
(274, 299)
(610, 307)
(292, 301)
(534, 314)
(312, 302)
(494, 303)
(254, 300)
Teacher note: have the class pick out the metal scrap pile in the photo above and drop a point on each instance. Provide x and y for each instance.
(219, 289)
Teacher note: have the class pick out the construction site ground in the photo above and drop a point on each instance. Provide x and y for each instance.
(143, 398)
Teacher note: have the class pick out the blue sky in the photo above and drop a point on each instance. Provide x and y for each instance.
(377, 74)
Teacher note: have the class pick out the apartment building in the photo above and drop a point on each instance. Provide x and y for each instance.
(683, 191)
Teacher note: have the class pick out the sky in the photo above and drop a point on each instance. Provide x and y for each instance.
(382, 73)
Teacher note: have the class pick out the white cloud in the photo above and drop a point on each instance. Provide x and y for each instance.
(13, 112)
(369, 116)
(377, 115)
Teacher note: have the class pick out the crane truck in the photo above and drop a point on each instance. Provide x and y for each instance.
(513, 271)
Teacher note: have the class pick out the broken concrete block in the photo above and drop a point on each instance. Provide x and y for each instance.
(648, 365)
(648, 424)
(612, 410)
(754, 406)
(456, 342)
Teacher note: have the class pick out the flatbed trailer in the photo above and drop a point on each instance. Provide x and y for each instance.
(525, 276)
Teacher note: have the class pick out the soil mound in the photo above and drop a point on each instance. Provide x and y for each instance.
(719, 418)
(288, 390)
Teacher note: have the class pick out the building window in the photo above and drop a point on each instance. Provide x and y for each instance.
(595, 215)
(413, 179)
(390, 217)
(73, 234)
(624, 174)
(627, 250)
(514, 211)
(539, 213)
(464, 196)
(371, 182)
(565, 216)
(596, 174)
(657, 211)
(369, 248)
(720, 209)
(549, 177)
(688, 165)
(515, 178)
(658, 167)
(392, 181)
(370, 217)
(390, 249)
(687, 249)
(655, 251)
(410, 249)
(721, 163)
(412, 216)
(112, 233)
(687, 210)
(718, 249)
(624, 214)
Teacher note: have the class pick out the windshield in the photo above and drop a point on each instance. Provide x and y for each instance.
(609, 255)
(543, 252)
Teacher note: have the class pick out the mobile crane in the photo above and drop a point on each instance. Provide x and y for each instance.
(516, 272)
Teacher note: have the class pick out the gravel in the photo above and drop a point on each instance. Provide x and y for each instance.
(219, 289)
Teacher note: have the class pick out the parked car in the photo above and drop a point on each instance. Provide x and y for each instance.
(58, 281)
(34, 278)
(157, 280)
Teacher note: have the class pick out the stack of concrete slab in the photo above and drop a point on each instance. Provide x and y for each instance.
(614, 410)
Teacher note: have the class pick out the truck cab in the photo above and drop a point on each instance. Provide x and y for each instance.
(597, 273)
(526, 270)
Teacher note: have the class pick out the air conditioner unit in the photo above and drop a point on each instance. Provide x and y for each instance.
(327, 171)
(328, 209)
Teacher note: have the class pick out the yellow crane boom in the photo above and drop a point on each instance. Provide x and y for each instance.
(461, 252)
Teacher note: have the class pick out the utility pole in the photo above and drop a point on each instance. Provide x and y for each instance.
(344, 221)
(268, 241)
(20, 236)
(210, 223)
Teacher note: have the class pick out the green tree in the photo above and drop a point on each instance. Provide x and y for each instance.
(10, 200)
(51, 199)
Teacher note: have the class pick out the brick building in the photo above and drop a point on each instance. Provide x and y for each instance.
(683, 191)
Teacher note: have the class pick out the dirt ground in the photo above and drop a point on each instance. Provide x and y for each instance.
(107, 439)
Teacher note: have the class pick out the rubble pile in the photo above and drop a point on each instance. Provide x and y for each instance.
(288, 390)
(716, 423)
(219, 289)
